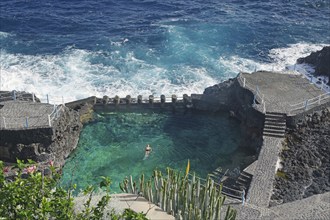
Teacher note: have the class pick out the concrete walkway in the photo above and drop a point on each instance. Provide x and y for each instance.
(316, 207)
(262, 182)
(261, 187)
(281, 90)
(20, 114)
(119, 202)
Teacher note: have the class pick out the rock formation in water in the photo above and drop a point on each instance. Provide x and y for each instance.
(320, 60)
(237, 101)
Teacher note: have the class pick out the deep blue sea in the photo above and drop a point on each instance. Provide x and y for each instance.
(81, 48)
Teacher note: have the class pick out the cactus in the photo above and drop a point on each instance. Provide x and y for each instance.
(230, 214)
(142, 184)
(183, 197)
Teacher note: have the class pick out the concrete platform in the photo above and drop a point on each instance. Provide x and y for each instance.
(119, 202)
(281, 90)
(23, 114)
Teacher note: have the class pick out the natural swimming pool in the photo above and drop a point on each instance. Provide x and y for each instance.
(114, 145)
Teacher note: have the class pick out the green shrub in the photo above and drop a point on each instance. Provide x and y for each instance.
(31, 195)
(281, 174)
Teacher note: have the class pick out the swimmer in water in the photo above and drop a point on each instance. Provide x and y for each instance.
(147, 151)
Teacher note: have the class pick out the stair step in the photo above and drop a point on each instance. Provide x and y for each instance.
(275, 113)
(243, 182)
(244, 173)
(273, 135)
(274, 127)
(273, 131)
(246, 177)
(278, 124)
(275, 119)
(275, 116)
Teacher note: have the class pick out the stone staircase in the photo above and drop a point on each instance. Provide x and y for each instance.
(275, 125)
(243, 181)
(218, 176)
(232, 187)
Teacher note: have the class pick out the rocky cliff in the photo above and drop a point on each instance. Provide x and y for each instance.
(238, 102)
(320, 60)
(43, 144)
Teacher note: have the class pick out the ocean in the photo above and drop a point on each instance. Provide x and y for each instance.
(75, 49)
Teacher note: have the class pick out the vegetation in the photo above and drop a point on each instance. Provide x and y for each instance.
(181, 196)
(31, 195)
(281, 174)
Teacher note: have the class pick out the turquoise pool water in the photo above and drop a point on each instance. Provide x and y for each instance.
(114, 146)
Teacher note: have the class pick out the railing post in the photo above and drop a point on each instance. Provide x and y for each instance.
(14, 94)
(322, 86)
(128, 99)
(63, 101)
(26, 122)
(243, 82)
(139, 99)
(33, 99)
(162, 99)
(243, 197)
(47, 99)
(151, 99)
(49, 122)
(4, 122)
(264, 107)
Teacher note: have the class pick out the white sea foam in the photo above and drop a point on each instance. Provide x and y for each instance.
(72, 75)
(77, 74)
(280, 59)
(4, 34)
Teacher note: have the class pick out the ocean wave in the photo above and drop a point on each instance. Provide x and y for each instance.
(78, 73)
(279, 59)
(5, 34)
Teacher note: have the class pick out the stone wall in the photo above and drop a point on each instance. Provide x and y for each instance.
(42, 144)
(237, 101)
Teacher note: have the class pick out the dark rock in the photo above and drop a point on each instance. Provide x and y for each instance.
(306, 160)
(320, 60)
(43, 144)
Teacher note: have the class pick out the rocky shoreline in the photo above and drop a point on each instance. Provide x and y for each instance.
(44, 143)
(305, 160)
(320, 60)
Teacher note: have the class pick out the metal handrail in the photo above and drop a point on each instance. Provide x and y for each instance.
(309, 102)
(55, 114)
(239, 193)
(255, 91)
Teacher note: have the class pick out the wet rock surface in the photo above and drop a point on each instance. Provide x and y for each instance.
(305, 159)
(320, 60)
